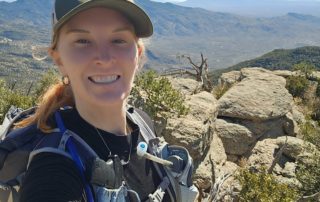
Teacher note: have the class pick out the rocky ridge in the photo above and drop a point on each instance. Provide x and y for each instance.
(249, 123)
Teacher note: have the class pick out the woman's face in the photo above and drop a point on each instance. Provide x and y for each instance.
(97, 49)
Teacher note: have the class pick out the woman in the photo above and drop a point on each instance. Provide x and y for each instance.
(82, 136)
(96, 46)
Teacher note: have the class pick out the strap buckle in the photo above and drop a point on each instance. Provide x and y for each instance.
(158, 195)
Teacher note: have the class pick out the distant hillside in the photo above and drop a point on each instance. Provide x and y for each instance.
(225, 39)
(283, 59)
(261, 8)
(278, 59)
(26, 20)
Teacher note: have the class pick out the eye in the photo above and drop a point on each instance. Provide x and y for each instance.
(83, 42)
(119, 41)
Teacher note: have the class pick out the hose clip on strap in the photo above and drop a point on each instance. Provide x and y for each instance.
(158, 195)
(4, 186)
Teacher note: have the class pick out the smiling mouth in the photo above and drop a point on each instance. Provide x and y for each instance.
(104, 79)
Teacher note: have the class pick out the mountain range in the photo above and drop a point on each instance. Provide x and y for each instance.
(225, 39)
(283, 59)
(261, 8)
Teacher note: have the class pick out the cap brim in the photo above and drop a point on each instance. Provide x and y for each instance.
(139, 19)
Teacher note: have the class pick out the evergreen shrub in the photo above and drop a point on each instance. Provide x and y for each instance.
(297, 85)
(160, 98)
(308, 167)
(263, 187)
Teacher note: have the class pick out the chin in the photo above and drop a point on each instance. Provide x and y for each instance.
(110, 99)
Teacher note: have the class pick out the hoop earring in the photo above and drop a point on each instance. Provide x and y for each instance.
(65, 80)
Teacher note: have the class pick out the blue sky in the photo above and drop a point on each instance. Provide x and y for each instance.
(252, 7)
(185, 0)
(155, 0)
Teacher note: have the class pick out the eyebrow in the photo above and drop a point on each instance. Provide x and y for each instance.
(122, 29)
(77, 31)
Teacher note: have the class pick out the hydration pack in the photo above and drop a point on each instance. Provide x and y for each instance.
(18, 146)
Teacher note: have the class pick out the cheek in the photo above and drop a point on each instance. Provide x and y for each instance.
(74, 62)
(77, 57)
(133, 57)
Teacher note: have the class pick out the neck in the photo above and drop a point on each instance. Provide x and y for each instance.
(107, 118)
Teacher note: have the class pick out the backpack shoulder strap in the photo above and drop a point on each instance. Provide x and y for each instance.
(13, 115)
(15, 150)
(180, 187)
(144, 122)
(141, 119)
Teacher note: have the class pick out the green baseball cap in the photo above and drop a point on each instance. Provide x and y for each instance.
(64, 10)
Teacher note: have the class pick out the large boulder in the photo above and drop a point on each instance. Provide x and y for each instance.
(230, 78)
(298, 116)
(265, 152)
(256, 99)
(258, 73)
(186, 86)
(295, 147)
(272, 128)
(195, 130)
(237, 139)
(202, 106)
(256, 108)
(284, 73)
(240, 137)
(212, 164)
(190, 133)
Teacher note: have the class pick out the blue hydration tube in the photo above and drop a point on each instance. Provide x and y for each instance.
(74, 154)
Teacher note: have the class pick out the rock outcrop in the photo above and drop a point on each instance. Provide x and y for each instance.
(264, 152)
(195, 130)
(259, 96)
(258, 106)
(246, 127)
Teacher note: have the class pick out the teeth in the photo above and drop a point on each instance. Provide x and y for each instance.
(104, 79)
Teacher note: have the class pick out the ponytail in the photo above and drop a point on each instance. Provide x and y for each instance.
(57, 96)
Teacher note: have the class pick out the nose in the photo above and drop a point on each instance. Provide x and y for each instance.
(104, 55)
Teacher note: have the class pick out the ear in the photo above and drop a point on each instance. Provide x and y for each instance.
(140, 50)
(55, 55)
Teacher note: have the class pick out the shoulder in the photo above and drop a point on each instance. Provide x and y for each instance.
(15, 150)
(16, 132)
(21, 136)
(39, 185)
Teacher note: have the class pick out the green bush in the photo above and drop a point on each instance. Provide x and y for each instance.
(308, 167)
(262, 187)
(9, 97)
(308, 173)
(310, 133)
(305, 68)
(297, 85)
(318, 88)
(19, 98)
(315, 109)
(49, 78)
(160, 98)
